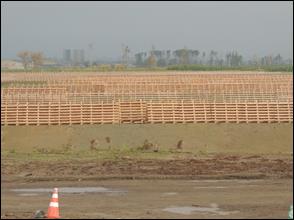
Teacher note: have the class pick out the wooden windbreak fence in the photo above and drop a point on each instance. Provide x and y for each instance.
(171, 76)
(145, 112)
(92, 98)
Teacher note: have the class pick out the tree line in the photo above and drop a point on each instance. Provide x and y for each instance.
(31, 59)
(168, 58)
(162, 58)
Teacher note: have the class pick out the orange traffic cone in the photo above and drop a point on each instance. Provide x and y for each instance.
(53, 210)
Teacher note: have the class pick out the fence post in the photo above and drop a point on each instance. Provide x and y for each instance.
(237, 112)
(268, 113)
(257, 111)
(5, 120)
(278, 112)
(246, 112)
(226, 113)
(205, 112)
(215, 112)
(194, 111)
(59, 106)
(81, 112)
(150, 112)
(49, 113)
(113, 113)
(102, 112)
(142, 111)
(91, 112)
(289, 112)
(119, 111)
(70, 105)
(162, 113)
(17, 115)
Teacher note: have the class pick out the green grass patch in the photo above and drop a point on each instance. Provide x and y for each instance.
(22, 83)
(84, 69)
(189, 67)
(273, 68)
(113, 154)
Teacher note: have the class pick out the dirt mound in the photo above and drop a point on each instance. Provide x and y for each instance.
(218, 166)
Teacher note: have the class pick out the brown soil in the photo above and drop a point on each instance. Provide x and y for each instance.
(227, 152)
(218, 166)
(245, 199)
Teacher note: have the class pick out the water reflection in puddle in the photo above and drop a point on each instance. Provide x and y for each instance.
(28, 194)
(225, 181)
(209, 187)
(188, 210)
(170, 193)
(72, 190)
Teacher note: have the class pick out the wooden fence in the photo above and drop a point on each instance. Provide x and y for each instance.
(91, 98)
(171, 76)
(145, 112)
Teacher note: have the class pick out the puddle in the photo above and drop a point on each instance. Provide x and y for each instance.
(225, 183)
(224, 187)
(188, 210)
(116, 193)
(170, 193)
(210, 187)
(217, 181)
(72, 190)
(28, 194)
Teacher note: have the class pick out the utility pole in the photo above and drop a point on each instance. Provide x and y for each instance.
(90, 45)
(125, 55)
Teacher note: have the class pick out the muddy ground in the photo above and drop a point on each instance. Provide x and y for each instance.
(218, 171)
(219, 186)
(218, 166)
(154, 199)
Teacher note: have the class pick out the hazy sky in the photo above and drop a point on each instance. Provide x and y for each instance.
(259, 28)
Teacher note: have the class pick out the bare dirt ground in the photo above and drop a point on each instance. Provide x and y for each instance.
(218, 166)
(219, 186)
(155, 199)
(221, 171)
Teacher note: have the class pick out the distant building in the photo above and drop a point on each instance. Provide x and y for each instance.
(67, 56)
(11, 64)
(78, 57)
(73, 56)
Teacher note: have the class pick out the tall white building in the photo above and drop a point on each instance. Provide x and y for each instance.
(78, 56)
(73, 56)
(67, 56)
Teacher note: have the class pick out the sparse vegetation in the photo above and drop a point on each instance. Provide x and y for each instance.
(31, 59)
(156, 148)
(108, 140)
(25, 58)
(93, 144)
(23, 83)
(180, 145)
(275, 68)
(146, 145)
(37, 59)
(12, 151)
(175, 67)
